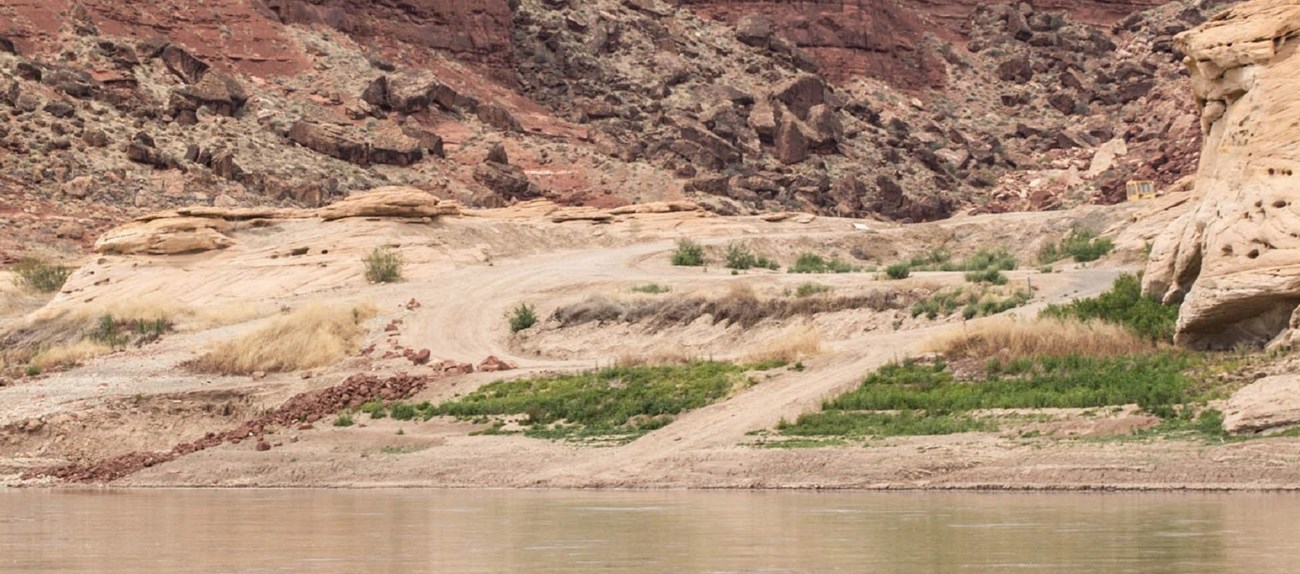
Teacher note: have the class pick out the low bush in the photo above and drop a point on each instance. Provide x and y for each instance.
(383, 265)
(1081, 245)
(523, 317)
(1123, 305)
(40, 275)
(651, 289)
(990, 275)
(688, 254)
(974, 303)
(898, 271)
(813, 263)
(740, 258)
(808, 289)
(741, 307)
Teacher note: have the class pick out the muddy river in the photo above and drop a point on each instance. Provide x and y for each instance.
(332, 531)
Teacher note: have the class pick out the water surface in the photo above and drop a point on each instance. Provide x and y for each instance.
(333, 531)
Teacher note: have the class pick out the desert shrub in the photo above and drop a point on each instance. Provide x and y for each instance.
(898, 271)
(989, 275)
(344, 420)
(313, 336)
(523, 317)
(651, 289)
(1123, 305)
(40, 275)
(808, 289)
(688, 254)
(741, 258)
(813, 263)
(740, 307)
(1080, 244)
(383, 265)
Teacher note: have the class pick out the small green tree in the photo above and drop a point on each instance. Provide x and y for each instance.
(383, 265)
(898, 271)
(523, 317)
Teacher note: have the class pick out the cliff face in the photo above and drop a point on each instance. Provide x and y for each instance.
(1234, 261)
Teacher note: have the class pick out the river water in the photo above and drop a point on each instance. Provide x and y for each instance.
(378, 531)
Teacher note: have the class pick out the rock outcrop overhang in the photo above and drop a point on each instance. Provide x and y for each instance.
(1234, 260)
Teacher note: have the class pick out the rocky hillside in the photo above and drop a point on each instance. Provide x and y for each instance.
(909, 110)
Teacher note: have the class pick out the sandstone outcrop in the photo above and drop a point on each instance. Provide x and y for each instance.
(393, 201)
(1234, 260)
(1269, 403)
(166, 236)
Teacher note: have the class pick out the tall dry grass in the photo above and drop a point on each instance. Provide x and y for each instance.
(1008, 338)
(60, 337)
(312, 336)
(795, 344)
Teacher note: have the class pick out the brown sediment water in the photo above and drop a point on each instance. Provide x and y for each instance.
(328, 531)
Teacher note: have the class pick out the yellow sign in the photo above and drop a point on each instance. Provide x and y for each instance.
(1140, 189)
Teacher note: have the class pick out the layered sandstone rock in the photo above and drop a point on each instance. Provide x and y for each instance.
(166, 236)
(1267, 404)
(393, 201)
(1234, 260)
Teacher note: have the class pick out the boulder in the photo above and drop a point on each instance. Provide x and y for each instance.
(71, 81)
(431, 142)
(1267, 404)
(182, 64)
(166, 236)
(220, 93)
(332, 140)
(392, 201)
(800, 94)
(498, 117)
(792, 143)
(1232, 260)
(505, 180)
(493, 364)
(1017, 70)
(392, 147)
(754, 30)
(7, 46)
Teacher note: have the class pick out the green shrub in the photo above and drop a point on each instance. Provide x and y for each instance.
(523, 317)
(1081, 244)
(344, 420)
(898, 271)
(740, 258)
(813, 263)
(383, 265)
(40, 275)
(33, 370)
(989, 275)
(688, 254)
(651, 289)
(1123, 305)
(809, 289)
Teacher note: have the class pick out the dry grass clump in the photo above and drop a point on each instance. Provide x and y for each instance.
(795, 344)
(1042, 337)
(68, 336)
(312, 336)
(660, 357)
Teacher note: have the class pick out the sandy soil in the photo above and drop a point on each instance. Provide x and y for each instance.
(466, 273)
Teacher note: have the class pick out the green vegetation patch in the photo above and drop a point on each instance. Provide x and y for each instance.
(813, 263)
(652, 289)
(808, 289)
(1123, 305)
(913, 398)
(523, 317)
(1081, 245)
(40, 275)
(973, 303)
(611, 402)
(741, 258)
(688, 254)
